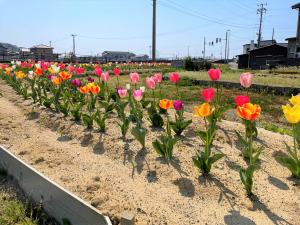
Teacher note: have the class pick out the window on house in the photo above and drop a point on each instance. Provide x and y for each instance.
(298, 49)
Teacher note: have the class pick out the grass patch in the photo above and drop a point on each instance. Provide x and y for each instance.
(277, 129)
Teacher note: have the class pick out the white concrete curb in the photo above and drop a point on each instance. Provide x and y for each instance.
(57, 202)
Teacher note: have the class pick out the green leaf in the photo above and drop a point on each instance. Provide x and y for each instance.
(216, 157)
(88, 121)
(139, 134)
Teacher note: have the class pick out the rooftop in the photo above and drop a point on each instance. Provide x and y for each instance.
(296, 6)
(41, 46)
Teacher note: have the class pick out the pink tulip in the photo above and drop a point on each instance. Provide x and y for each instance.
(157, 77)
(174, 77)
(214, 74)
(134, 77)
(117, 71)
(208, 94)
(246, 79)
(138, 94)
(241, 100)
(150, 82)
(105, 76)
(98, 71)
(122, 92)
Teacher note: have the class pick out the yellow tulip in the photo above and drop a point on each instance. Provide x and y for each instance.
(295, 100)
(203, 110)
(292, 113)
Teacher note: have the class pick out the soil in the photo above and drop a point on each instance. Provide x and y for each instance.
(116, 176)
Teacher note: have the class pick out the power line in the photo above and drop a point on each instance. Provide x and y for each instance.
(179, 8)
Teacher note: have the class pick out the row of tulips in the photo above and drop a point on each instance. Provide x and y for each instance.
(92, 101)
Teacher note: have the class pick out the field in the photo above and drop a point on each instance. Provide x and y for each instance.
(116, 173)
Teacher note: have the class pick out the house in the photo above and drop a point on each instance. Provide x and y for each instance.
(263, 43)
(43, 52)
(294, 42)
(115, 56)
(264, 57)
(3, 50)
(140, 58)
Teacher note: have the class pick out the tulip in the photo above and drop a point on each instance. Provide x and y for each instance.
(178, 105)
(98, 71)
(241, 100)
(122, 92)
(56, 80)
(203, 110)
(20, 75)
(94, 89)
(214, 74)
(208, 94)
(157, 77)
(134, 77)
(150, 82)
(246, 79)
(292, 113)
(90, 79)
(65, 75)
(295, 100)
(79, 71)
(117, 71)
(84, 90)
(30, 74)
(138, 95)
(105, 76)
(249, 111)
(174, 77)
(76, 82)
(165, 104)
(38, 71)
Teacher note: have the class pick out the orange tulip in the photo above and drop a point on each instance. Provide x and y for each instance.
(95, 89)
(20, 74)
(248, 111)
(84, 90)
(38, 71)
(7, 71)
(65, 75)
(203, 110)
(165, 104)
(56, 80)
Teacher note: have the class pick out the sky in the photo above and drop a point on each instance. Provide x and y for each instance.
(126, 25)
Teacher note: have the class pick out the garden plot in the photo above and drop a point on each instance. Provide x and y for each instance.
(114, 175)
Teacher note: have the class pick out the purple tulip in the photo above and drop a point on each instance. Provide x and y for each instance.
(76, 83)
(178, 105)
(50, 77)
(90, 79)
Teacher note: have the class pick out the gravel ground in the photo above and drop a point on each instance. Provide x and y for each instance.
(115, 176)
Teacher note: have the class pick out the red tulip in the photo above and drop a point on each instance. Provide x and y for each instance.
(208, 94)
(174, 77)
(117, 71)
(214, 74)
(241, 100)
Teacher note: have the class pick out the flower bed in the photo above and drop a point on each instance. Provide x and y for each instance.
(95, 103)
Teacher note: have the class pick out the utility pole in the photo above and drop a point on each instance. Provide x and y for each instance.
(50, 43)
(73, 35)
(261, 10)
(150, 51)
(273, 36)
(226, 41)
(204, 48)
(228, 36)
(154, 32)
(188, 51)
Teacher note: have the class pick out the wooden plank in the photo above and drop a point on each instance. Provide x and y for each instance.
(58, 202)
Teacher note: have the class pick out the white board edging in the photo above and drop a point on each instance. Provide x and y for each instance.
(57, 201)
